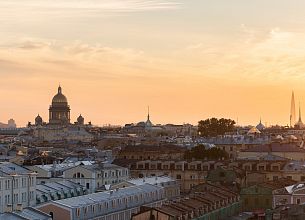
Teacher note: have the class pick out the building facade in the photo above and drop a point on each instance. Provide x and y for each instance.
(59, 111)
(109, 205)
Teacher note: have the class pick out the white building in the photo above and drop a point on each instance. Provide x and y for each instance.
(17, 187)
(96, 176)
(53, 172)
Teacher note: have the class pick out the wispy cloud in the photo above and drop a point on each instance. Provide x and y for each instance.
(52, 6)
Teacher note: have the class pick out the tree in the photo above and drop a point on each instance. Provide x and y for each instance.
(199, 152)
(212, 127)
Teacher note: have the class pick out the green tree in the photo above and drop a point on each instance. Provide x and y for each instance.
(199, 152)
(212, 127)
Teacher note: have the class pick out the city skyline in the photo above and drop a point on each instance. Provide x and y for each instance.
(116, 57)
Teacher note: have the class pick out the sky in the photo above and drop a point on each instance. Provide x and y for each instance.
(186, 59)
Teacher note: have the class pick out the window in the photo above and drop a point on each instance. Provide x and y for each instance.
(88, 185)
(78, 212)
(275, 168)
(178, 177)
(275, 178)
(261, 167)
(298, 201)
(179, 167)
(302, 178)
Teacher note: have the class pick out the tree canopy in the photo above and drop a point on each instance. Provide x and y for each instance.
(212, 127)
(200, 153)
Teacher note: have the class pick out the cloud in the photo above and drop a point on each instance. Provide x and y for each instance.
(88, 62)
(53, 6)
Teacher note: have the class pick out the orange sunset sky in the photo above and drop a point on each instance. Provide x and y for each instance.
(187, 59)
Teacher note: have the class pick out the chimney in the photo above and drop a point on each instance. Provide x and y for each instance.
(8, 208)
(19, 207)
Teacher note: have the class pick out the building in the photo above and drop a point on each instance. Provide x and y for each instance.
(11, 124)
(170, 185)
(209, 203)
(59, 111)
(59, 128)
(46, 172)
(95, 177)
(231, 177)
(109, 205)
(290, 151)
(17, 187)
(187, 173)
(152, 152)
(233, 144)
(70, 134)
(58, 190)
(287, 212)
(261, 196)
(289, 195)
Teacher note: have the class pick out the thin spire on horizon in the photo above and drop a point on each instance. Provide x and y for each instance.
(292, 111)
(300, 116)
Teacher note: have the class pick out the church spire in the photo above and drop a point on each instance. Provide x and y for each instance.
(148, 117)
(59, 89)
(300, 117)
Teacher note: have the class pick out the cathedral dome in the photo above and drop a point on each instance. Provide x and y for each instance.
(38, 120)
(59, 97)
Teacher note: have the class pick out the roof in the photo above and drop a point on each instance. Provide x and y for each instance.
(12, 168)
(63, 166)
(275, 147)
(102, 166)
(268, 157)
(26, 214)
(151, 180)
(57, 186)
(254, 130)
(105, 196)
(294, 166)
(158, 148)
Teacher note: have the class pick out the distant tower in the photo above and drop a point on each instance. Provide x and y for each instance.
(292, 111)
(148, 122)
(300, 124)
(80, 120)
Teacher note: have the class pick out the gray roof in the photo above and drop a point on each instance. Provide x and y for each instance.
(11, 168)
(151, 180)
(94, 198)
(26, 214)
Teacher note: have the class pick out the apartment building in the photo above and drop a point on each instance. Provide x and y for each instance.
(119, 204)
(17, 187)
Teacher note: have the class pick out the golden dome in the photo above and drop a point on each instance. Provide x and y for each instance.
(59, 97)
